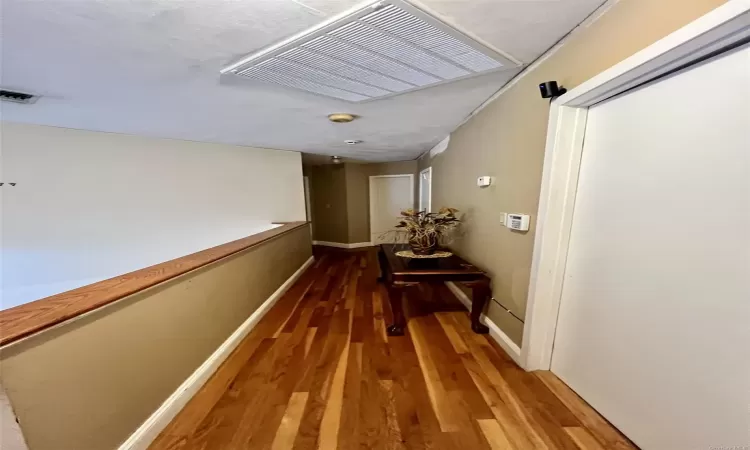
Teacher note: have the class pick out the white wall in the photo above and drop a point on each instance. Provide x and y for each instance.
(90, 205)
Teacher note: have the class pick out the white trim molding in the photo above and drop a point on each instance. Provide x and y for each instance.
(502, 339)
(10, 430)
(721, 29)
(428, 207)
(150, 429)
(342, 245)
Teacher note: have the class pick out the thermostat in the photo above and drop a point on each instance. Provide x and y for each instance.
(518, 222)
(484, 181)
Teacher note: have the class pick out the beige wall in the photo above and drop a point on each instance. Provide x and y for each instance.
(506, 140)
(90, 383)
(358, 202)
(341, 198)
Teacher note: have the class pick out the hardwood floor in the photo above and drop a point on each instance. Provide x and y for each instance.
(319, 371)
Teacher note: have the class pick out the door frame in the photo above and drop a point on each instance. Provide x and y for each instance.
(429, 202)
(721, 29)
(369, 192)
(308, 198)
(308, 201)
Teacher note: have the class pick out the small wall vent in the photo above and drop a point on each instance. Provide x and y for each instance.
(17, 97)
(371, 52)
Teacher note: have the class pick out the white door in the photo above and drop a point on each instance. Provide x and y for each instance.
(654, 322)
(425, 190)
(389, 195)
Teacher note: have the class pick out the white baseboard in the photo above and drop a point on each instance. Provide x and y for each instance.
(150, 429)
(341, 245)
(502, 339)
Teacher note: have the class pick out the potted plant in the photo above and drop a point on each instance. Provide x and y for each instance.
(425, 231)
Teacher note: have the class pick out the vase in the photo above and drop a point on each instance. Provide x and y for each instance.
(423, 244)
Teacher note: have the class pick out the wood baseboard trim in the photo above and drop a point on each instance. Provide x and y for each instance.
(342, 245)
(150, 429)
(502, 339)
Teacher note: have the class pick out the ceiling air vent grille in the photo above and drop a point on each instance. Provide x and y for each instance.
(16, 97)
(372, 52)
(405, 26)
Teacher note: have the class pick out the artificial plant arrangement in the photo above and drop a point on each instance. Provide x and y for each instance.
(425, 231)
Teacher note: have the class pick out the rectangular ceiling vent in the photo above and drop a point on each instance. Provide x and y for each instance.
(16, 97)
(373, 51)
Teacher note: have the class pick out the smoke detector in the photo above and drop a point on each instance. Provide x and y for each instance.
(341, 117)
(378, 50)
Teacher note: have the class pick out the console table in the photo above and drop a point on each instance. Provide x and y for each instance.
(399, 273)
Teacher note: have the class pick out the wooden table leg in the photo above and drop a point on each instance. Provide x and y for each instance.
(481, 292)
(382, 263)
(395, 295)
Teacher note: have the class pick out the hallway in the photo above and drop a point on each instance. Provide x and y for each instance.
(318, 371)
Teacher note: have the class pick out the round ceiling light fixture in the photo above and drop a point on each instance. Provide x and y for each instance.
(352, 141)
(336, 159)
(341, 117)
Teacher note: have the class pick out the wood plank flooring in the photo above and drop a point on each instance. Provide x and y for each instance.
(319, 372)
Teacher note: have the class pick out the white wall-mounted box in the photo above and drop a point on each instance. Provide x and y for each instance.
(484, 181)
(518, 222)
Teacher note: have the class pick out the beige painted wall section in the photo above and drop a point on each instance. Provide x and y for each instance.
(506, 140)
(358, 202)
(90, 383)
(341, 198)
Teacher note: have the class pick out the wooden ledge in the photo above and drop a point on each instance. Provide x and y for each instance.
(24, 320)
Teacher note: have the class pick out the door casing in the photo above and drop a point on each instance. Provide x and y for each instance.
(426, 172)
(721, 29)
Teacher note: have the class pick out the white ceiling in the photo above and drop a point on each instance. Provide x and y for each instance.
(151, 67)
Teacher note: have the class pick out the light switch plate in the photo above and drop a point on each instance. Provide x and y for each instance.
(503, 217)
